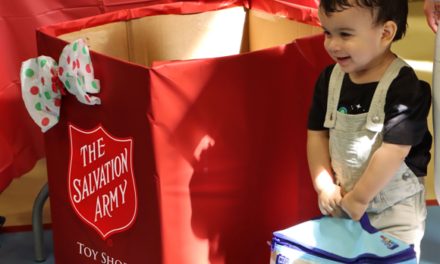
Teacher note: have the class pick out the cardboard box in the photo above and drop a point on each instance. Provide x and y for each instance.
(207, 104)
(193, 36)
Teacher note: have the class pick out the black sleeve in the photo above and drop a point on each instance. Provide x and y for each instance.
(318, 108)
(406, 109)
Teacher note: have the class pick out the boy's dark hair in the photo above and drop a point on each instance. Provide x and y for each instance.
(385, 10)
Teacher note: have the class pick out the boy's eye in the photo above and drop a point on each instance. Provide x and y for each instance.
(343, 34)
(326, 33)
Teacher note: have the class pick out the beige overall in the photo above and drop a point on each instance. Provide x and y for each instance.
(399, 209)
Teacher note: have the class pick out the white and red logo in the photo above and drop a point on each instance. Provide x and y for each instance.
(102, 187)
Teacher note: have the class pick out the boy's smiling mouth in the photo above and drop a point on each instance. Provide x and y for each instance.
(342, 59)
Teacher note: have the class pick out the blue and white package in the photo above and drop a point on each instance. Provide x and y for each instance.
(329, 240)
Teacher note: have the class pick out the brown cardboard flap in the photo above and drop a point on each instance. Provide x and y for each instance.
(193, 36)
(184, 37)
(109, 39)
(267, 30)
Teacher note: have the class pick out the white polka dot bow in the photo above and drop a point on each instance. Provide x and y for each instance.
(43, 82)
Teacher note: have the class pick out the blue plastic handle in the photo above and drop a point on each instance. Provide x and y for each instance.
(366, 225)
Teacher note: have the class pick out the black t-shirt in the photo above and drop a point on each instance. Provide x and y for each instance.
(406, 110)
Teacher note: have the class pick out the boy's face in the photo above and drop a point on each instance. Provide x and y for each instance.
(352, 39)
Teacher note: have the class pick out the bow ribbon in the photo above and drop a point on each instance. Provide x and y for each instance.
(43, 82)
(57, 84)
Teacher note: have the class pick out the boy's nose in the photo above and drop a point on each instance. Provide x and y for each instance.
(333, 45)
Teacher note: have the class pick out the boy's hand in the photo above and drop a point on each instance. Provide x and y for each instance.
(329, 200)
(431, 9)
(354, 208)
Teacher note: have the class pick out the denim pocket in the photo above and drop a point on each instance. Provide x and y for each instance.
(393, 196)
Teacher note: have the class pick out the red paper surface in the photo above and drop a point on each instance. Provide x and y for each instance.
(219, 145)
(231, 152)
(123, 115)
(21, 141)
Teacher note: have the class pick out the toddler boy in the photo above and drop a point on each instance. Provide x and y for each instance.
(368, 140)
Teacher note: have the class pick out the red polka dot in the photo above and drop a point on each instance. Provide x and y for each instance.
(47, 109)
(68, 59)
(51, 71)
(74, 65)
(77, 63)
(54, 89)
(42, 80)
(88, 68)
(84, 42)
(87, 98)
(34, 90)
(45, 121)
(57, 102)
(60, 71)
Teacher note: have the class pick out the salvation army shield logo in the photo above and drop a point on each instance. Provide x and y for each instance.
(101, 182)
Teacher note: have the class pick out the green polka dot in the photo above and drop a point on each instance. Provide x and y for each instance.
(79, 82)
(36, 60)
(83, 80)
(75, 46)
(56, 64)
(67, 84)
(47, 95)
(94, 85)
(58, 118)
(84, 50)
(38, 106)
(68, 75)
(43, 62)
(39, 95)
(29, 73)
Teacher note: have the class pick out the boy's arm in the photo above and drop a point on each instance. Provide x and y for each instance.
(383, 165)
(318, 157)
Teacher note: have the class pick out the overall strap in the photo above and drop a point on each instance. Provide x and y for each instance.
(376, 114)
(334, 91)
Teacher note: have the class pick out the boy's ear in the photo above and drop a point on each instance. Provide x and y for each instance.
(389, 30)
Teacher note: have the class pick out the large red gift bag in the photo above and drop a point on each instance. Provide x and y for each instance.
(197, 152)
